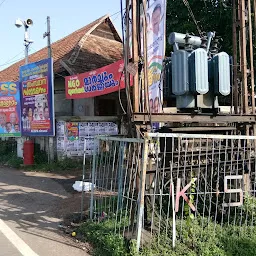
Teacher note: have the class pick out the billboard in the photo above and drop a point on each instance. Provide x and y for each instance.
(98, 82)
(10, 109)
(156, 19)
(37, 99)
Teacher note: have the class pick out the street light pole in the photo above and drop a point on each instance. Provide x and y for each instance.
(27, 23)
(26, 44)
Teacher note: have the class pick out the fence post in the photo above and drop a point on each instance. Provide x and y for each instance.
(142, 191)
(93, 180)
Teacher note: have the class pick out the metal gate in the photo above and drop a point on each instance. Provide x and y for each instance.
(116, 175)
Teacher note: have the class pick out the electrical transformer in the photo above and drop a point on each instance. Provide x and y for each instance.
(199, 76)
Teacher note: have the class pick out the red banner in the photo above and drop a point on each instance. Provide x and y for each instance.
(98, 82)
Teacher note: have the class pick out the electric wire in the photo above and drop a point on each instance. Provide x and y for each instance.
(186, 3)
(12, 60)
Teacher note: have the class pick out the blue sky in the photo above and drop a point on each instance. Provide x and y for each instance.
(66, 17)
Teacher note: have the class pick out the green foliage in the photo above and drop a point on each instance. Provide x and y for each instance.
(211, 15)
(59, 166)
(208, 239)
(40, 156)
(249, 206)
(8, 156)
(15, 161)
(8, 153)
(102, 236)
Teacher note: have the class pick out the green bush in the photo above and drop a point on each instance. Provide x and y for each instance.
(8, 153)
(15, 161)
(40, 156)
(8, 156)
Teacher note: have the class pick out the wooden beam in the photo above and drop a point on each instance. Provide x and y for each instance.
(135, 54)
(177, 118)
(87, 118)
(235, 85)
(243, 55)
(65, 65)
(251, 56)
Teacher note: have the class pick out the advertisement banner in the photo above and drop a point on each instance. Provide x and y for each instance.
(10, 109)
(98, 82)
(73, 137)
(72, 131)
(156, 19)
(37, 99)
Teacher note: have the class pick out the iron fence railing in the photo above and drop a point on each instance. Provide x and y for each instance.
(152, 189)
(116, 175)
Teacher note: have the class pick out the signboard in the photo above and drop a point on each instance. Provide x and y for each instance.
(71, 136)
(9, 109)
(98, 82)
(156, 19)
(37, 99)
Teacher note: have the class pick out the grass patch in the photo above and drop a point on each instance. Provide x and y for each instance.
(63, 166)
(197, 241)
(101, 236)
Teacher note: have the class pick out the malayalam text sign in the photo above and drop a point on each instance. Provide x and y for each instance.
(98, 82)
(37, 99)
(9, 109)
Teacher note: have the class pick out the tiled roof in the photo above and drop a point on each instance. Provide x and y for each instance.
(63, 49)
(97, 52)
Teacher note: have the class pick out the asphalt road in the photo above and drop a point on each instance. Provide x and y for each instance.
(7, 248)
(28, 219)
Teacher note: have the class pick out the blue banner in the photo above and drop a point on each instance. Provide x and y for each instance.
(37, 99)
(9, 109)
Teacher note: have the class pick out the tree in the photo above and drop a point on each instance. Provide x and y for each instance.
(211, 15)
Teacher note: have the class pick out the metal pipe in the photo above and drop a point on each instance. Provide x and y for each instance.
(181, 41)
(26, 44)
(142, 192)
(83, 178)
(199, 136)
(210, 36)
(93, 180)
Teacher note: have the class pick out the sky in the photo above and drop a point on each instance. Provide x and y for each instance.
(66, 17)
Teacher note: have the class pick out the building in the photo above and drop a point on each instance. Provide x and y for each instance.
(96, 45)
(93, 46)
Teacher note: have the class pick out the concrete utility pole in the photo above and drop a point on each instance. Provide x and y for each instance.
(50, 139)
(48, 35)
